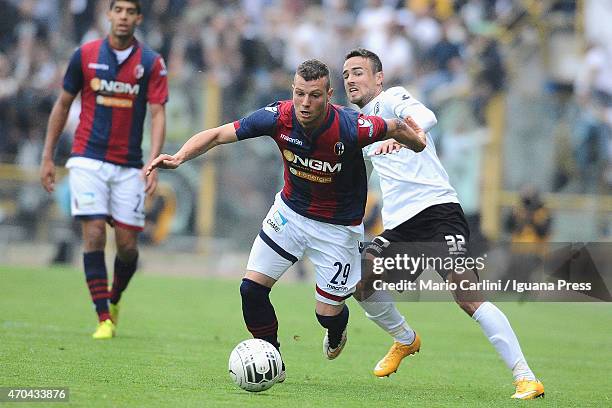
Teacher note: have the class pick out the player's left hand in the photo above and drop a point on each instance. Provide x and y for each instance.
(150, 178)
(388, 146)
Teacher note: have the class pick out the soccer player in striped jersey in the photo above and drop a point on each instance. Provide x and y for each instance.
(420, 205)
(319, 211)
(117, 78)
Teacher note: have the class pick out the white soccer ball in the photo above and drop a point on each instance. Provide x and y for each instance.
(255, 365)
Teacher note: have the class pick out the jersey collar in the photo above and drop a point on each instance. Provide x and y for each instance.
(135, 45)
(369, 108)
(329, 119)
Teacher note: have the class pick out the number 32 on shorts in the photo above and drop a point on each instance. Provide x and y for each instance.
(456, 243)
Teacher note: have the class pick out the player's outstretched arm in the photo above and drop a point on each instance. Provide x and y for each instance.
(198, 144)
(407, 132)
(57, 121)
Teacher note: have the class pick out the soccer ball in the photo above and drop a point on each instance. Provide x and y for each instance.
(255, 365)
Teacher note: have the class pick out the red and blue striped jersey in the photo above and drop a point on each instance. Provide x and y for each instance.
(325, 176)
(114, 100)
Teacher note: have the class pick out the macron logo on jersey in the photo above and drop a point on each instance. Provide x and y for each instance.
(293, 140)
(95, 65)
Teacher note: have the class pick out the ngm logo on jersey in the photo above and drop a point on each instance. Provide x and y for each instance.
(311, 164)
(115, 87)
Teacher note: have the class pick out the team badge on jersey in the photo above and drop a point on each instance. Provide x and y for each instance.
(376, 108)
(339, 148)
(138, 71)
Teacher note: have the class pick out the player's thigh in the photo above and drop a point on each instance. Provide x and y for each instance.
(89, 193)
(438, 234)
(278, 245)
(94, 234)
(127, 198)
(335, 255)
(260, 278)
(449, 250)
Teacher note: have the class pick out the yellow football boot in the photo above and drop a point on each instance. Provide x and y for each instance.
(105, 330)
(528, 389)
(398, 351)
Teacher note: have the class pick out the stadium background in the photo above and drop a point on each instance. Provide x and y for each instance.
(507, 80)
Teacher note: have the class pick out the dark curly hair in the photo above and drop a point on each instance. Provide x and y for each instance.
(313, 69)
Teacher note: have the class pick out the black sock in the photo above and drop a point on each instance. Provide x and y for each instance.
(95, 274)
(258, 312)
(335, 325)
(123, 273)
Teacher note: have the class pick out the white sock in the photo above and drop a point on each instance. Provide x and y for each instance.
(497, 328)
(385, 314)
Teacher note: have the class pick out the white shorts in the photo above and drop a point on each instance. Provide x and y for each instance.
(99, 189)
(287, 236)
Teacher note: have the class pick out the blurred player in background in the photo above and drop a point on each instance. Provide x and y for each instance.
(420, 205)
(117, 77)
(319, 212)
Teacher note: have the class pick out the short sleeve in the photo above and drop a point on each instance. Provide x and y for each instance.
(157, 92)
(73, 79)
(262, 122)
(370, 129)
(403, 105)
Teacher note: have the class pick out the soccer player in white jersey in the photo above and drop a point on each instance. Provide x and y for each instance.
(420, 205)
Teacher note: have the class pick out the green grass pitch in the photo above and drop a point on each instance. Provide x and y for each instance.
(175, 335)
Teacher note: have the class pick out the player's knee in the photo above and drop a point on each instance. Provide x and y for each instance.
(326, 309)
(127, 246)
(359, 294)
(94, 236)
(251, 291)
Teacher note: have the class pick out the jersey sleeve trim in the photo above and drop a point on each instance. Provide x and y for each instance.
(73, 79)
(262, 122)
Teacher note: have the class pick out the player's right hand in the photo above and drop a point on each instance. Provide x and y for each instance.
(47, 175)
(163, 161)
(388, 147)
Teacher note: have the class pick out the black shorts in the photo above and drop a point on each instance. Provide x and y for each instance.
(434, 224)
(439, 233)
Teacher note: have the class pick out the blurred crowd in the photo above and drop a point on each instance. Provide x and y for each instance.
(251, 48)
(441, 50)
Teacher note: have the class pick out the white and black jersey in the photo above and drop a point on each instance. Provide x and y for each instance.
(410, 182)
